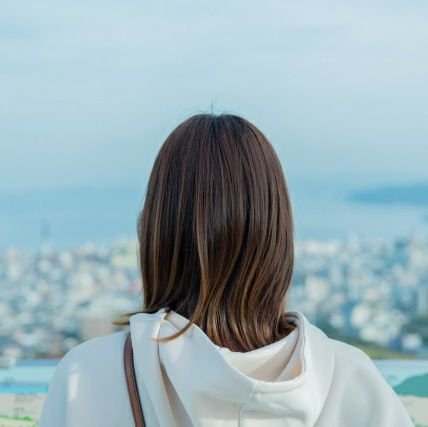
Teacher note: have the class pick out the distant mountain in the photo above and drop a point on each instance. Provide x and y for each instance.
(414, 386)
(411, 194)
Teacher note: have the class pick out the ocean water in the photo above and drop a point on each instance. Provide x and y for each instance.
(67, 217)
(28, 376)
(71, 217)
(396, 371)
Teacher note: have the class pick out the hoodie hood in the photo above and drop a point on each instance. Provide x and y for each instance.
(190, 381)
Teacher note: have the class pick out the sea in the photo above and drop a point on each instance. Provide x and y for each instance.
(73, 216)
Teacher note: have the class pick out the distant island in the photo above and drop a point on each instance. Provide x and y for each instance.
(415, 194)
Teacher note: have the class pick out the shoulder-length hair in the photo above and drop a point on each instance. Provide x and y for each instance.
(216, 233)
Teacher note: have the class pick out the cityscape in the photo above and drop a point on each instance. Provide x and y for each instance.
(91, 89)
(373, 294)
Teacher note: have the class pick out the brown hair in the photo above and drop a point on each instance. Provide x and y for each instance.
(216, 233)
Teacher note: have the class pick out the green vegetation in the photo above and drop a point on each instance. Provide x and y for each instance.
(377, 352)
(374, 351)
(17, 421)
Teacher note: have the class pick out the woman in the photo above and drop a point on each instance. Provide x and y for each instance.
(213, 344)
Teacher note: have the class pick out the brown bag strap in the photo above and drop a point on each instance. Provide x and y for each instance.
(134, 397)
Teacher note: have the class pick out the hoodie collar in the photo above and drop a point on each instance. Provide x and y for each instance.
(194, 371)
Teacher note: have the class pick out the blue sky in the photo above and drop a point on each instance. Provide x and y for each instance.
(90, 89)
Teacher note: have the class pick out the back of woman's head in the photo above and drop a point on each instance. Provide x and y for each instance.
(216, 232)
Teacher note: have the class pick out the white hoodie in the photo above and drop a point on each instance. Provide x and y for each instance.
(304, 380)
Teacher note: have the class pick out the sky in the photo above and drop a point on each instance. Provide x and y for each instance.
(89, 90)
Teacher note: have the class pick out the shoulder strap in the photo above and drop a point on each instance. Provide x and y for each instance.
(131, 382)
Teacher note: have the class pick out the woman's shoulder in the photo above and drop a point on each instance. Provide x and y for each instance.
(94, 347)
(89, 381)
(350, 354)
(355, 364)
(359, 388)
(94, 356)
